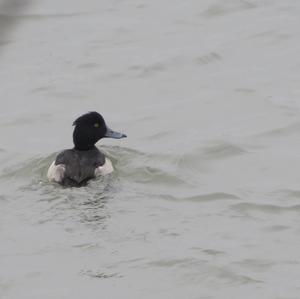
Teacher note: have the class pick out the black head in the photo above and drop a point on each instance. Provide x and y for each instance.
(89, 128)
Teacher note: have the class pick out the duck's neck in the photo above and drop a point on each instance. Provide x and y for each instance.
(82, 139)
(83, 148)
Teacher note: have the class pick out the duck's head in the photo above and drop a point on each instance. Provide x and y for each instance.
(90, 128)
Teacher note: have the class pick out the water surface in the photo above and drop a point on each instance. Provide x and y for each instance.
(205, 198)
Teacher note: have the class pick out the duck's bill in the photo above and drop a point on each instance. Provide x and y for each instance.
(113, 134)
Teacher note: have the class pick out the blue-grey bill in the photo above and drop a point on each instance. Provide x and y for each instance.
(113, 134)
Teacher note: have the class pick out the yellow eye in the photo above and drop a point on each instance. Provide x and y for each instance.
(96, 125)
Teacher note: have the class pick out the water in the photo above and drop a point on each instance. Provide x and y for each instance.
(205, 199)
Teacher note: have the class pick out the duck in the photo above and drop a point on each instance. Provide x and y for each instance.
(76, 166)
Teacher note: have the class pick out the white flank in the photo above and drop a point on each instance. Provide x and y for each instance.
(56, 172)
(106, 168)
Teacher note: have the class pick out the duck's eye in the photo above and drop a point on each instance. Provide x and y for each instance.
(96, 125)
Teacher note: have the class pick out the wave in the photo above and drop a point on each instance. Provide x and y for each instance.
(208, 197)
(265, 208)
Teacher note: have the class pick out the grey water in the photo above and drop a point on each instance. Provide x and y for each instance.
(204, 201)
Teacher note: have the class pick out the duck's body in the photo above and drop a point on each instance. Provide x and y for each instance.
(85, 161)
(73, 167)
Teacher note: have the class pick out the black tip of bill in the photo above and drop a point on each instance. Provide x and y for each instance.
(113, 134)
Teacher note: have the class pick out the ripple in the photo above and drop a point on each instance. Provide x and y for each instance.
(212, 252)
(209, 197)
(139, 167)
(256, 264)
(53, 203)
(271, 36)
(159, 135)
(220, 9)
(209, 251)
(265, 208)
(154, 68)
(167, 263)
(99, 274)
(289, 193)
(234, 278)
(129, 163)
(70, 206)
(33, 167)
(132, 168)
(208, 58)
(276, 228)
(284, 131)
(8, 17)
(193, 269)
(221, 150)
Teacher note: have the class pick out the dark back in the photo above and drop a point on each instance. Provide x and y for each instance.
(80, 165)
